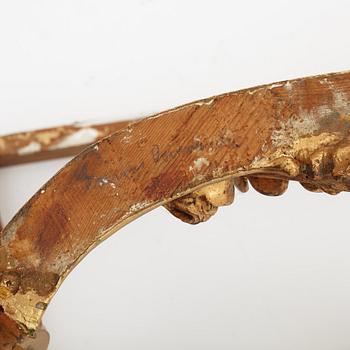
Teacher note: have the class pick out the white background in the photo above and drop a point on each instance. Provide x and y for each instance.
(264, 273)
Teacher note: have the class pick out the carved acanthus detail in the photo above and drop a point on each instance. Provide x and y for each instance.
(321, 163)
(201, 205)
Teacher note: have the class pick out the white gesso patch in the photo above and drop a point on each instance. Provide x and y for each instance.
(274, 85)
(199, 163)
(288, 86)
(32, 147)
(105, 181)
(205, 102)
(137, 206)
(80, 137)
(293, 129)
(341, 102)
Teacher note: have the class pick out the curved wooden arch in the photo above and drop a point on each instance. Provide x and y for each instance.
(294, 130)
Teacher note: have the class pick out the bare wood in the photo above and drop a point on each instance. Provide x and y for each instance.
(295, 130)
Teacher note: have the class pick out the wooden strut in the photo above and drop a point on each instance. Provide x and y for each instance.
(188, 159)
(63, 141)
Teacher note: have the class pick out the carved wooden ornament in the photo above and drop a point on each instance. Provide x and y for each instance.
(188, 159)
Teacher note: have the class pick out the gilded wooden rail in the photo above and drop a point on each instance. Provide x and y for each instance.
(188, 159)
